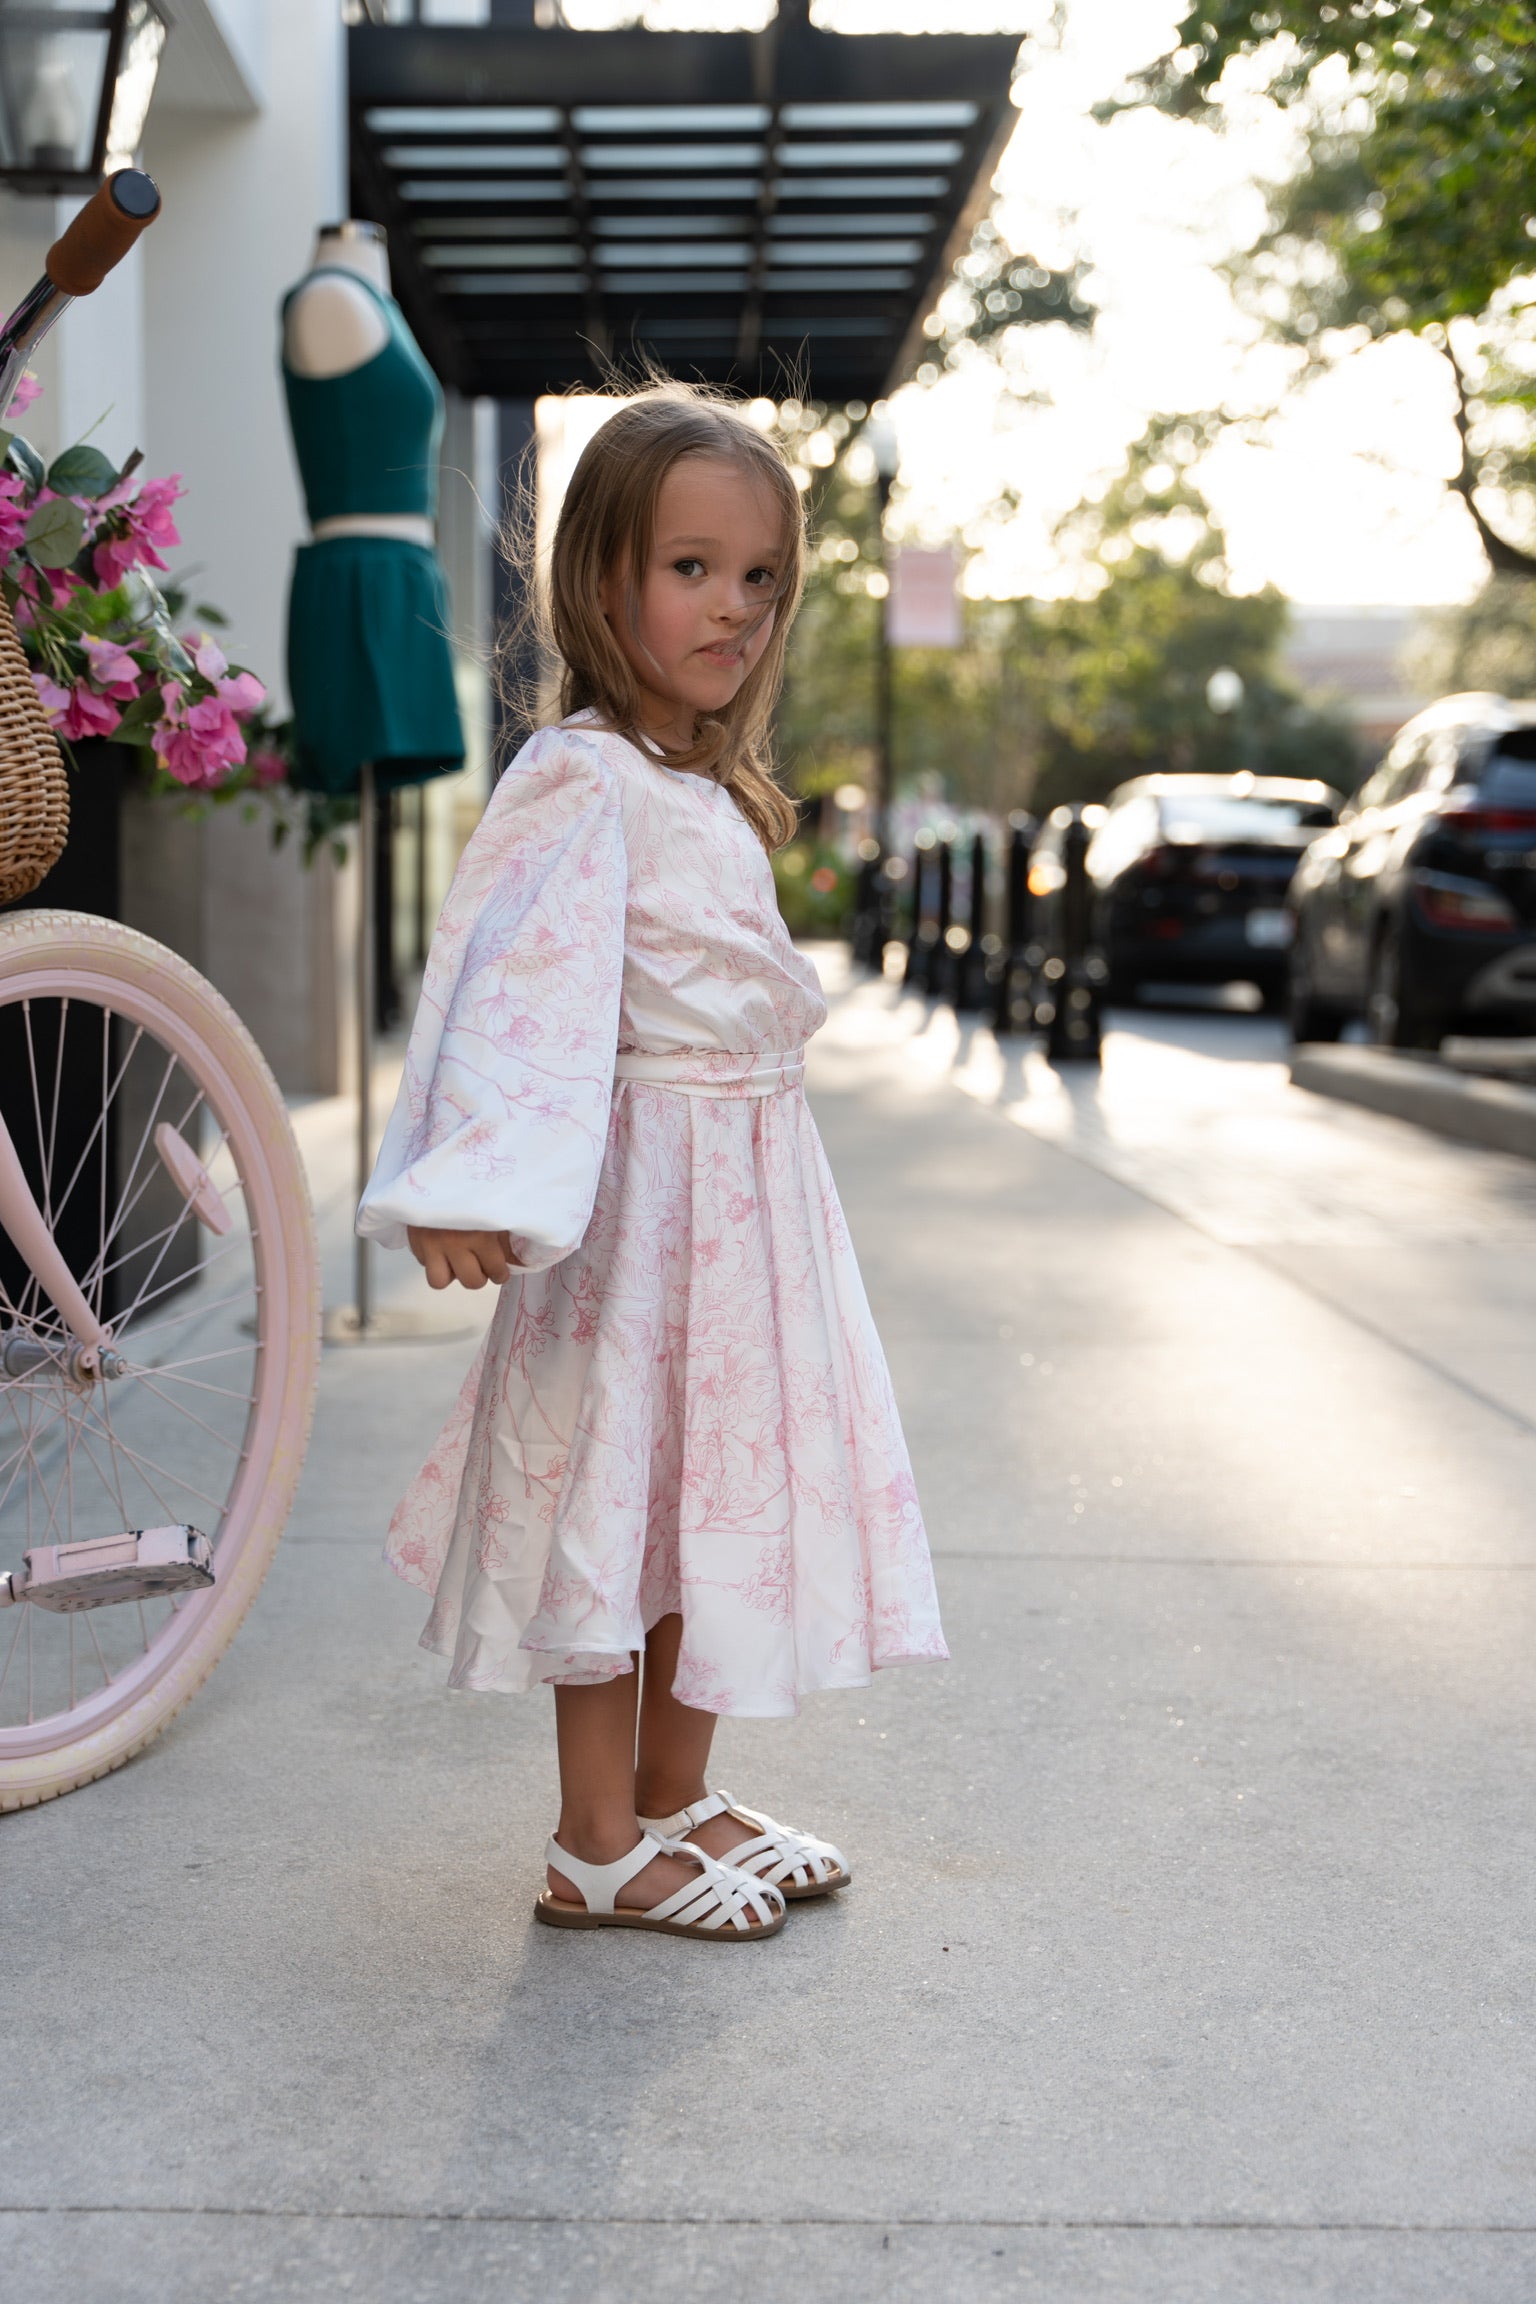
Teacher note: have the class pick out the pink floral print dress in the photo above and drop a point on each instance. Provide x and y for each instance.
(681, 1404)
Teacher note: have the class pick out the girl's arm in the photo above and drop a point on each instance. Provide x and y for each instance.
(499, 1128)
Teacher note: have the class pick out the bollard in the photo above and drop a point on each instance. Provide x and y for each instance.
(939, 954)
(970, 971)
(1071, 1010)
(866, 914)
(1014, 1007)
(915, 975)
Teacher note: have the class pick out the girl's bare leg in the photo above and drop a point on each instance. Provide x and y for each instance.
(674, 1738)
(595, 1736)
(674, 1747)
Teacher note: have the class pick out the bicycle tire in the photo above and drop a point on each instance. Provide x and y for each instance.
(62, 956)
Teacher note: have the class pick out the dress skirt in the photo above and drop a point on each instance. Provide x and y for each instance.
(689, 1414)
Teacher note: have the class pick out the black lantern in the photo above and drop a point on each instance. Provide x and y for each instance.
(76, 77)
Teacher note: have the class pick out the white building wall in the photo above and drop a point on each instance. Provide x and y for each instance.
(178, 355)
(243, 197)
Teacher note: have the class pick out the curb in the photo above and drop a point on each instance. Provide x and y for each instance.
(1493, 1113)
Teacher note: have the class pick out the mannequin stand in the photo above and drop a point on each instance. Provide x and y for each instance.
(361, 1321)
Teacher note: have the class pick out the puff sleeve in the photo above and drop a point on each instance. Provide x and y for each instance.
(502, 1114)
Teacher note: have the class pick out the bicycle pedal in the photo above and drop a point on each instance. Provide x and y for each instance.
(140, 1564)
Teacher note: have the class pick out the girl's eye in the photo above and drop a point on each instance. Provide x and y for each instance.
(763, 579)
(689, 567)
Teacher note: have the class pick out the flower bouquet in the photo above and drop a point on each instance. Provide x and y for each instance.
(113, 652)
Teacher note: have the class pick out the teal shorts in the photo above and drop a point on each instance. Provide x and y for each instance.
(370, 669)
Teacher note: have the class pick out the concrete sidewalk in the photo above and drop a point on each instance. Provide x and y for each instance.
(1190, 1955)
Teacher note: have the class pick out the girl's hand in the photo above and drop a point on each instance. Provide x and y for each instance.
(471, 1258)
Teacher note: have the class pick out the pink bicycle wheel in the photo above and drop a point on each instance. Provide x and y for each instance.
(158, 1147)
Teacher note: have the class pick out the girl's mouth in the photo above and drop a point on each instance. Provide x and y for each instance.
(722, 652)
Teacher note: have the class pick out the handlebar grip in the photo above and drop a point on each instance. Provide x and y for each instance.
(103, 232)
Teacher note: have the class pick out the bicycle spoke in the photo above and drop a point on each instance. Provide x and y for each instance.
(236, 1447)
(149, 1465)
(117, 1446)
(188, 1312)
(126, 1208)
(106, 1677)
(112, 1485)
(228, 1249)
(192, 1384)
(98, 1130)
(11, 1651)
(205, 1359)
(101, 1165)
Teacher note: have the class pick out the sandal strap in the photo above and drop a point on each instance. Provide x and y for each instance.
(687, 1819)
(777, 1854)
(718, 1897)
(779, 1851)
(600, 1883)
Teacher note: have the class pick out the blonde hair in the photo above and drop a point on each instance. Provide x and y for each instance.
(607, 524)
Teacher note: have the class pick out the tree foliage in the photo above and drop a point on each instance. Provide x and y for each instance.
(1412, 210)
(1051, 700)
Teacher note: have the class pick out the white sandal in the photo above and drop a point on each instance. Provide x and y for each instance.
(722, 1905)
(796, 1863)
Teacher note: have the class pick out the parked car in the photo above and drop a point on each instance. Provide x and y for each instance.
(1191, 873)
(1418, 912)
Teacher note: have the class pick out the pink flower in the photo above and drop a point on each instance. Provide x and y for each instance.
(198, 747)
(207, 655)
(26, 391)
(112, 668)
(140, 515)
(78, 711)
(267, 769)
(244, 693)
(13, 518)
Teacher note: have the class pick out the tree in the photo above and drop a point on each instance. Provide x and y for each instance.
(1051, 700)
(1120, 669)
(1412, 209)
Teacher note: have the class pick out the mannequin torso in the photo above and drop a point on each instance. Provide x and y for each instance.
(332, 327)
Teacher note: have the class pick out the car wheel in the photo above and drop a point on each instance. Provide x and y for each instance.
(1311, 1018)
(1395, 1019)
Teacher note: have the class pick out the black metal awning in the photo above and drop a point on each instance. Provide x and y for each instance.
(778, 210)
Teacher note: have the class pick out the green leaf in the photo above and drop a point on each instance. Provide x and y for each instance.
(82, 471)
(22, 457)
(55, 533)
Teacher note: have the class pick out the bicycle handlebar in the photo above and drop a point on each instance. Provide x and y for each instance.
(79, 260)
(103, 232)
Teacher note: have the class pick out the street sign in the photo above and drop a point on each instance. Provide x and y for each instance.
(922, 608)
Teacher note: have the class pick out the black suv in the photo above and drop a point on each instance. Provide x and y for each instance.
(1418, 911)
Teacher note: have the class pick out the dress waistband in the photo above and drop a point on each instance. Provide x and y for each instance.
(714, 1071)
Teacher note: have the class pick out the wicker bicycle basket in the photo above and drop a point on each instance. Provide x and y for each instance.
(34, 796)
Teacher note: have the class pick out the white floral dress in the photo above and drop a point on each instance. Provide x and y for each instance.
(681, 1404)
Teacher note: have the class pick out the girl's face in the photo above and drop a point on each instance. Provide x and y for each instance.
(705, 606)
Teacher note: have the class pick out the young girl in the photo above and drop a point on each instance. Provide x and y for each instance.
(679, 1440)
